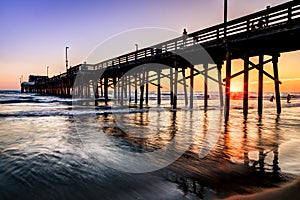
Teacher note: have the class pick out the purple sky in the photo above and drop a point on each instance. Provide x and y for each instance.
(34, 33)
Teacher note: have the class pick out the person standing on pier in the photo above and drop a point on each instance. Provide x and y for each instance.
(184, 32)
(184, 35)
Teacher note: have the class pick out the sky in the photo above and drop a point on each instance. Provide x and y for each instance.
(34, 33)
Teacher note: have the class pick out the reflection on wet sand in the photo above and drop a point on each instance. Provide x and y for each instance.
(238, 157)
(264, 147)
(244, 160)
(288, 191)
(137, 133)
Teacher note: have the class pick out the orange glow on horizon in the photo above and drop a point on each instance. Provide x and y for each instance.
(289, 75)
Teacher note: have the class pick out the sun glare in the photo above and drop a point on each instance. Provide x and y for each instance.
(235, 88)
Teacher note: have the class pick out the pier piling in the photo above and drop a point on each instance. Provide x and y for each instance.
(106, 91)
(276, 83)
(227, 84)
(246, 84)
(158, 87)
(184, 87)
(129, 89)
(175, 85)
(147, 87)
(205, 66)
(135, 89)
(171, 87)
(260, 84)
(219, 67)
(142, 88)
(191, 86)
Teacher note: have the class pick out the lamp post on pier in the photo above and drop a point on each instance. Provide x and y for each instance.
(47, 71)
(67, 58)
(225, 18)
(136, 49)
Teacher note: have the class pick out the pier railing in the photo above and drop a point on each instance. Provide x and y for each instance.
(262, 20)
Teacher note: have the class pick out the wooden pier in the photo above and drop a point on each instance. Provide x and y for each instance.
(269, 32)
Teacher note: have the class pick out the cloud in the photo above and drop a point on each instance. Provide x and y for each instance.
(282, 80)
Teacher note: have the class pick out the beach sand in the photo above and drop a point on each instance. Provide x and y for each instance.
(217, 178)
(288, 191)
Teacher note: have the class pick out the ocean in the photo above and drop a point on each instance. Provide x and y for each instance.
(58, 148)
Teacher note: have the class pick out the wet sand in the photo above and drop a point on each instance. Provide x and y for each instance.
(290, 191)
(214, 177)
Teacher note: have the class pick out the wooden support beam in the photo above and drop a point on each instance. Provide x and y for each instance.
(171, 86)
(192, 87)
(254, 66)
(118, 89)
(241, 72)
(175, 85)
(260, 84)
(69, 89)
(246, 84)
(101, 87)
(264, 62)
(265, 73)
(106, 90)
(147, 88)
(135, 89)
(184, 87)
(205, 66)
(152, 83)
(87, 91)
(125, 86)
(202, 72)
(142, 88)
(153, 78)
(276, 76)
(96, 88)
(219, 66)
(129, 89)
(158, 87)
(227, 84)
(115, 87)
(121, 85)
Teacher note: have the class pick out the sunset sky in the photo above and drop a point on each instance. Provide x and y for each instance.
(34, 33)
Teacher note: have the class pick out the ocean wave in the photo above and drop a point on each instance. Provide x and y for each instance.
(10, 92)
(33, 100)
(35, 114)
(69, 113)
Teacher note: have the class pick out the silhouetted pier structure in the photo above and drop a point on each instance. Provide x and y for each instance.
(269, 32)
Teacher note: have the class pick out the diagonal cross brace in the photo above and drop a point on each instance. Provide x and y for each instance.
(202, 72)
(255, 66)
